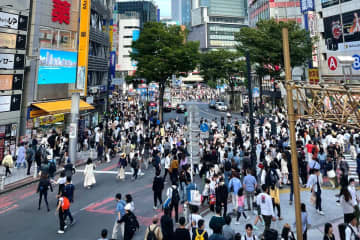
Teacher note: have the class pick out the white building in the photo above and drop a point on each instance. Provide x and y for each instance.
(338, 28)
(129, 30)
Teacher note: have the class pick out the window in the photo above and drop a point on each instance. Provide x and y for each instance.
(128, 36)
(65, 40)
(46, 37)
(126, 56)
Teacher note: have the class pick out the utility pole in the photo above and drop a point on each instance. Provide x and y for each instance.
(294, 160)
(251, 113)
(73, 133)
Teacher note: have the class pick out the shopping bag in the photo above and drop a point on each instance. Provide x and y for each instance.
(195, 197)
(167, 202)
(212, 200)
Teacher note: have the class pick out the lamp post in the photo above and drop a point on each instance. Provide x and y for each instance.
(251, 112)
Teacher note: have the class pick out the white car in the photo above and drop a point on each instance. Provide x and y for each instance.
(220, 106)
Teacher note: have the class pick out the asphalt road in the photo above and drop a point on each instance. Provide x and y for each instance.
(93, 209)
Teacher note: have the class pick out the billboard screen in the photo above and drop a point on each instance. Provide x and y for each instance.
(57, 67)
(343, 38)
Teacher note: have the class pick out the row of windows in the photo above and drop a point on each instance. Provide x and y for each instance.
(227, 20)
(56, 38)
(97, 78)
(222, 37)
(98, 50)
(218, 43)
(97, 21)
(223, 29)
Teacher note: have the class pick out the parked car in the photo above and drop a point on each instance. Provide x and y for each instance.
(220, 106)
(180, 108)
(167, 107)
(212, 104)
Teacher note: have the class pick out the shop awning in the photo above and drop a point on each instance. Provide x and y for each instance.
(63, 106)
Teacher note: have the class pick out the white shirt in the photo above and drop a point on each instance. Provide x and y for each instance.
(350, 234)
(265, 202)
(352, 191)
(312, 182)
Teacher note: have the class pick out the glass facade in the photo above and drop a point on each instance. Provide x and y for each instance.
(222, 35)
(236, 8)
(146, 10)
(186, 13)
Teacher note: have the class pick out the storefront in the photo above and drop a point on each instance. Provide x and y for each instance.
(7, 139)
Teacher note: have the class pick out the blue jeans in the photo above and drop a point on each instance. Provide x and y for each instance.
(18, 164)
(183, 191)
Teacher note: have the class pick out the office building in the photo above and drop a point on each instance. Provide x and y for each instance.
(146, 9)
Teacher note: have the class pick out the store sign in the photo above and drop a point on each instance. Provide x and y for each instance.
(314, 76)
(83, 51)
(57, 67)
(9, 20)
(6, 82)
(329, 3)
(12, 61)
(332, 63)
(12, 41)
(61, 11)
(48, 120)
(344, 37)
(306, 5)
(5, 103)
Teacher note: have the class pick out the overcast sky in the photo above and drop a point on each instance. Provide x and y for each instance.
(165, 7)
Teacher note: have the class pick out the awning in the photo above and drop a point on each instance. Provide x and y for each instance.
(56, 107)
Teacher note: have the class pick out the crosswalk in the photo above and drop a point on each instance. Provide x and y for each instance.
(352, 167)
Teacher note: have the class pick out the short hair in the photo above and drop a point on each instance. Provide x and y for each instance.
(237, 236)
(157, 173)
(227, 219)
(264, 187)
(118, 196)
(201, 223)
(249, 226)
(182, 221)
(68, 178)
(218, 209)
(104, 233)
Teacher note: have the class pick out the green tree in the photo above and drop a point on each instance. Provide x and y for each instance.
(222, 66)
(162, 51)
(264, 43)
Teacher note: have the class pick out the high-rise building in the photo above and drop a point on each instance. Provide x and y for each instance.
(181, 12)
(176, 13)
(281, 10)
(214, 23)
(337, 26)
(146, 9)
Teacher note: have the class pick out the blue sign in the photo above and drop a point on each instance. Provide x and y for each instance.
(57, 67)
(306, 5)
(136, 36)
(356, 64)
(158, 15)
(112, 64)
(204, 127)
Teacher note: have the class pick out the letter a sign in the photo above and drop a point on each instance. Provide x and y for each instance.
(332, 63)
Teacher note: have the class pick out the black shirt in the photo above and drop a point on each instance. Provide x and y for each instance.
(182, 234)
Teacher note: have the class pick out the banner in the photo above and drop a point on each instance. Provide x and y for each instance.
(46, 120)
(5, 102)
(8, 20)
(329, 3)
(313, 76)
(306, 5)
(6, 82)
(342, 38)
(83, 46)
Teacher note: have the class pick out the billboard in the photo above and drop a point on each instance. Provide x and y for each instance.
(12, 61)
(306, 5)
(13, 21)
(83, 45)
(5, 102)
(329, 3)
(12, 41)
(342, 38)
(57, 67)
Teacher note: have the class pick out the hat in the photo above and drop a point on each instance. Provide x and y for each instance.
(127, 207)
(122, 155)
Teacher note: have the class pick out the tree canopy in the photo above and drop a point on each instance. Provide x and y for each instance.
(264, 43)
(162, 51)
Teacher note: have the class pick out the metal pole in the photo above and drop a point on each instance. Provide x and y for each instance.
(75, 105)
(191, 148)
(294, 160)
(251, 113)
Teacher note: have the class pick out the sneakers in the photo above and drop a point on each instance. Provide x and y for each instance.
(280, 218)
(290, 203)
(155, 207)
(320, 212)
(237, 223)
(60, 232)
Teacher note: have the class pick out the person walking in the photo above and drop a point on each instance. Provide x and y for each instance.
(221, 193)
(89, 179)
(249, 185)
(173, 194)
(20, 160)
(328, 232)
(167, 225)
(120, 212)
(62, 208)
(241, 205)
(131, 225)
(122, 165)
(315, 182)
(42, 189)
(266, 206)
(249, 234)
(217, 222)
(30, 157)
(158, 186)
(182, 233)
(135, 166)
(234, 186)
(305, 220)
(153, 232)
(69, 192)
(8, 162)
(200, 231)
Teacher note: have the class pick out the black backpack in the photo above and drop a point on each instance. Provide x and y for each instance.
(270, 234)
(227, 166)
(133, 223)
(151, 234)
(52, 167)
(273, 177)
(175, 197)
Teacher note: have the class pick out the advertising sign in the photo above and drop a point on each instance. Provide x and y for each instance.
(84, 42)
(12, 41)
(6, 82)
(51, 119)
(332, 63)
(112, 64)
(8, 20)
(57, 67)
(314, 76)
(5, 102)
(306, 5)
(329, 3)
(12, 61)
(342, 38)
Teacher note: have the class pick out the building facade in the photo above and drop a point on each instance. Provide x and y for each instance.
(146, 9)
(337, 25)
(215, 23)
(13, 47)
(282, 10)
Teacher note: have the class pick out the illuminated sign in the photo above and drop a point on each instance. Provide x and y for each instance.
(61, 11)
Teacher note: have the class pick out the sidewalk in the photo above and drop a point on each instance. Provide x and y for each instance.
(19, 178)
(333, 214)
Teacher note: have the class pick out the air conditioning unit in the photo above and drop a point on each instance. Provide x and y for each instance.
(93, 90)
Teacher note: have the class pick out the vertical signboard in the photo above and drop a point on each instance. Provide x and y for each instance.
(83, 46)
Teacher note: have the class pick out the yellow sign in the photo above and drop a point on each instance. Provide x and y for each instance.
(51, 119)
(313, 76)
(111, 35)
(83, 45)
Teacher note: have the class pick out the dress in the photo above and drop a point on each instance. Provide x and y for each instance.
(89, 175)
(284, 168)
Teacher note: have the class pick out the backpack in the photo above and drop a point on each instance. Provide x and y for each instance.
(134, 163)
(52, 167)
(273, 177)
(65, 204)
(175, 197)
(29, 155)
(227, 166)
(151, 234)
(199, 236)
(352, 232)
(133, 223)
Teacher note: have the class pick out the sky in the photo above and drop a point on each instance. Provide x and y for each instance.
(165, 7)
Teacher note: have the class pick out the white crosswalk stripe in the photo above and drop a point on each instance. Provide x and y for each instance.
(352, 167)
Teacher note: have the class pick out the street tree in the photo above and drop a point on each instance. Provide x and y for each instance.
(264, 43)
(222, 66)
(162, 51)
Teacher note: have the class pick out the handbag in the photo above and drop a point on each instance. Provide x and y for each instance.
(331, 174)
(212, 199)
(195, 197)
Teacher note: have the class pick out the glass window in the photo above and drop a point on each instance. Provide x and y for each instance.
(46, 37)
(56, 39)
(65, 40)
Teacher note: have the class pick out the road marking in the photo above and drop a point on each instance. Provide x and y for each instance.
(107, 172)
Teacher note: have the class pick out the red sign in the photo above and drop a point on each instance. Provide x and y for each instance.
(332, 63)
(61, 11)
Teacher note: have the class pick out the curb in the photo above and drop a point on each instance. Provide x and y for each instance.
(24, 183)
